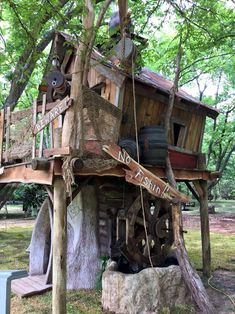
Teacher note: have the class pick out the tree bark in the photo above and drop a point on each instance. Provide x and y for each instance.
(72, 132)
(83, 244)
(191, 277)
(167, 119)
(27, 62)
(6, 193)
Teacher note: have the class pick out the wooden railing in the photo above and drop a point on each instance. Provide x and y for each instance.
(37, 131)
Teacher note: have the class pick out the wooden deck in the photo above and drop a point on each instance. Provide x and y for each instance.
(31, 285)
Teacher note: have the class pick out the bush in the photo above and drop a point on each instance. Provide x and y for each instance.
(32, 196)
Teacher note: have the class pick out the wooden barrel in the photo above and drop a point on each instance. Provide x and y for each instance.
(153, 145)
(130, 147)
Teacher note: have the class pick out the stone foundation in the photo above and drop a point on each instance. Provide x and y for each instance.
(146, 292)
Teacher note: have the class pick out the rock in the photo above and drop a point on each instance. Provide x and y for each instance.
(111, 265)
(145, 292)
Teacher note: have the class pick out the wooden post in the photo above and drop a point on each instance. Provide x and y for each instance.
(44, 101)
(8, 125)
(59, 248)
(201, 187)
(34, 122)
(1, 133)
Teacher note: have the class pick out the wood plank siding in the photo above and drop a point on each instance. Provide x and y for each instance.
(150, 111)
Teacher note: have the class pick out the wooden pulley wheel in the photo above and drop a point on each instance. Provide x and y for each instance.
(55, 79)
(125, 49)
(161, 229)
(158, 234)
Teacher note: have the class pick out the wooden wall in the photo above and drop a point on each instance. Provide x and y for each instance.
(150, 111)
(108, 91)
(150, 106)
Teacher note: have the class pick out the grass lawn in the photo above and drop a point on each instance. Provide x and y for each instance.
(13, 245)
(222, 250)
(14, 242)
(221, 206)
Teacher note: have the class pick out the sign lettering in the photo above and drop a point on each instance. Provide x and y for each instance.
(138, 175)
(53, 114)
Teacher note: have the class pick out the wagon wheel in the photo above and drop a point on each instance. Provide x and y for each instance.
(158, 225)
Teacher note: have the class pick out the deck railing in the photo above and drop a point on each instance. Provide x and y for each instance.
(37, 132)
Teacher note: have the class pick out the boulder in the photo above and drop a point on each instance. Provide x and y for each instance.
(147, 291)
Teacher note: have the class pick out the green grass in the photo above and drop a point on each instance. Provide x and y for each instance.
(78, 302)
(14, 241)
(222, 206)
(13, 245)
(222, 250)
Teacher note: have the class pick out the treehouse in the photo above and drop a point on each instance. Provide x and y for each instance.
(119, 115)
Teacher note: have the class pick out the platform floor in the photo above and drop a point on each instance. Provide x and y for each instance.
(31, 285)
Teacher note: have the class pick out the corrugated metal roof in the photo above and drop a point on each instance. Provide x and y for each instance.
(158, 81)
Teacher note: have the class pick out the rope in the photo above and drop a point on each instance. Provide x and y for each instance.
(216, 289)
(138, 158)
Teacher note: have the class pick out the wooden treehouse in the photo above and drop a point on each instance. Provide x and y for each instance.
(34, 149)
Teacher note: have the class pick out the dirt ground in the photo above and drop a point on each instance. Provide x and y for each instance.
(9, 223)
(219, 223)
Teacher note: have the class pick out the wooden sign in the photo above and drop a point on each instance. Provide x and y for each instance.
(51, 115)
(138, 175)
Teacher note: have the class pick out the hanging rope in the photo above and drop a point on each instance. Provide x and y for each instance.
(138, 158)
(68, 176)
(216, 289)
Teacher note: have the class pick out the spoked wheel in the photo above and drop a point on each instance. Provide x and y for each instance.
(138, 249)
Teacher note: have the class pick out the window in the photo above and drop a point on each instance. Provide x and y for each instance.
(179, 131)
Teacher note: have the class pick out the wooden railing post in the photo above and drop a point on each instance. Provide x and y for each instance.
(34, 122)
(59, 248)
(2, 118)
(44, 100)
(8, 125)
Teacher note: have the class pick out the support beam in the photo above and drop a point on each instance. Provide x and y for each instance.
(191, 189)
(201, 187)
(40, 164)
(59, 248)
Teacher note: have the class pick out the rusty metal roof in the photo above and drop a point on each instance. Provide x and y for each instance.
(161, 83)
(155, 80)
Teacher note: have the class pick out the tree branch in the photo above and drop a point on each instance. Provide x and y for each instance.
(92, 39)
(26, 65)
(206, 58)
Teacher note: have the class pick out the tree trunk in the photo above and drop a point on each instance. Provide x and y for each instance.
(27, 62)
(83, 244)
(191, 277)
(6, 193)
